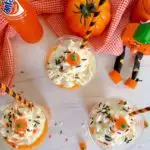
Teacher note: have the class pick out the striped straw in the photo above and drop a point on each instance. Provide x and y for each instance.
(92, 24)
(140, 111)
(16, 96)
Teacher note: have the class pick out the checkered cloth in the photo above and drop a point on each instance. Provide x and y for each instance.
(52, 11)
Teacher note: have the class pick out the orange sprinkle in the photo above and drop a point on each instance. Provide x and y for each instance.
(92, 130)
(113, 131)
(7, 123)
(83, 146)
(34, 131)
(21, 134)
(121, 102)
(112, 118)
(12, 144)
(73, 59)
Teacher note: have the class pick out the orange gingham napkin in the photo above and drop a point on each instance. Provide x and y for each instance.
(52, 11)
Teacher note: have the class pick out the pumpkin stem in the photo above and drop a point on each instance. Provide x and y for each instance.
(87, 9)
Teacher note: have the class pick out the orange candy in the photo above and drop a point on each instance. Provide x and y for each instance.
(83, 146)
(34, 131)
(91, 130)
(73, 59)
(20, 125)
(121, 102)
(121, 123)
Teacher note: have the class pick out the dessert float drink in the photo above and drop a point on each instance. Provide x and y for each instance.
(111, 125)
(22, 127)
(69, 66)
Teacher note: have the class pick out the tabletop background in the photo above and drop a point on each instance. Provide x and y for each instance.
(70, 108)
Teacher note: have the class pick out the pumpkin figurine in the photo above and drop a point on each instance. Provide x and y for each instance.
(141, 11)
(136, 37)
(79, 14)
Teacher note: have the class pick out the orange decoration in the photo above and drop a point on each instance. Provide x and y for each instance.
(79, 14)
(91, 130)
(73, 59)
(34, 131)
(21, 134)
(121, 123)
(7, 123)
(83, 146)
(20, 125)
(113, 131)
(121, 102)
(141, 11)
(115, 76)
(131, 83)
(112, 118)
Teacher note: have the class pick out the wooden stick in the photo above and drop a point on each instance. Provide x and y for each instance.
(16, 96)
(140, 111)
(92, 24)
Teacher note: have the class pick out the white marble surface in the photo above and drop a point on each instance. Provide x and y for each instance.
(70, 108)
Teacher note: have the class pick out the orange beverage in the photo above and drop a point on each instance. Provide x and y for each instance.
(141, 11)
(23, 19)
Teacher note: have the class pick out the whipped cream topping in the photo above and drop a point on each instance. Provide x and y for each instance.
(28, 130)
(111, 125)
(62, 73)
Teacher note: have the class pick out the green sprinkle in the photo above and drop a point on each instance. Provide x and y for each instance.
(123, 126)
(18, 125)
(73, 57)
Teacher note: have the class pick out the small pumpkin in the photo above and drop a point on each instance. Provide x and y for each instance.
(141, 11)
(79, 14)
